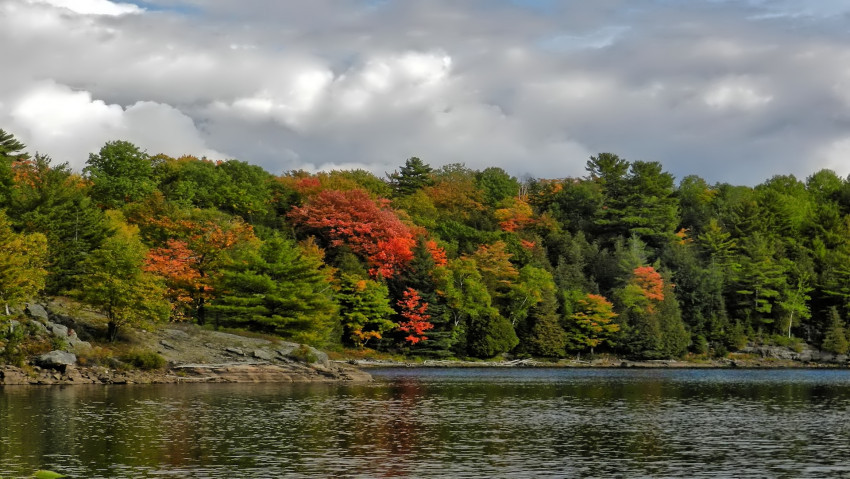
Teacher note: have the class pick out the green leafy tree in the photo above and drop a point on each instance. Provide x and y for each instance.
(365, 310)
(497, 185)
(22, 264)
(120, 173)
(479, 329)
(591, 322)
(116, 284)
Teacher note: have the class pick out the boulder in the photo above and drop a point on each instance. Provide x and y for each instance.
(56, 359)
(36, 311)
(58, 330)
(233, 350)
(312, 356)
(262, 354)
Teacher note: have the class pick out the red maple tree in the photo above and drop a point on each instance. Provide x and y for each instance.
(413, 310)
(369, 227)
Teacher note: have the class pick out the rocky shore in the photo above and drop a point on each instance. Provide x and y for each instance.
(207, 373)
(187, 353)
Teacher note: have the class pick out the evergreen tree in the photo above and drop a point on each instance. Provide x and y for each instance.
(276, 288)
(835, 340)
(414, 175)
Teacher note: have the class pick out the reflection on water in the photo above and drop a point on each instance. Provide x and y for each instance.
(442, 423)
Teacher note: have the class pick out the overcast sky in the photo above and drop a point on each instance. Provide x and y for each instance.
(734, 91)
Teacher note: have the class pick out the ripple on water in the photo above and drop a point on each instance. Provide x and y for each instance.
(443, 423)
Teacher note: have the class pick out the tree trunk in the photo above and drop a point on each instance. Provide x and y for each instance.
(790, 322)
(112, 331)
(7, 309)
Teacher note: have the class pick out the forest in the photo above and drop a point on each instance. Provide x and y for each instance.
(446, 262)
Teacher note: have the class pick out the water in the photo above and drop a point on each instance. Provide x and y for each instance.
(473, 423)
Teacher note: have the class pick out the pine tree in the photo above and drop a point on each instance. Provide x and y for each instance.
(276, 288)
(835, 340)
(414, 175)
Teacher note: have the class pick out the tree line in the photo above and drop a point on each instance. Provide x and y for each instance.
(433, 262)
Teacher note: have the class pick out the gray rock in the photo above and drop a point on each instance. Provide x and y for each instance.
(176, 334)
(285, 348)
(36, 311)
(262, 354)
(58, 330)
(166, 344)
(56, 359)
(14, 324)
(233, 350)
(78, 345)
(314, 356)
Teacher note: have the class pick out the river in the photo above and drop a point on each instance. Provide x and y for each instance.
(462, 423)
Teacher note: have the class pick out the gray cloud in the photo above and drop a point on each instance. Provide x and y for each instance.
(732, 91)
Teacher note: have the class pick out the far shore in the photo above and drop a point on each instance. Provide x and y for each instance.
(608, 362)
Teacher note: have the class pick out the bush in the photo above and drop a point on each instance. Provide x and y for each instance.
(304, 354)
(144, 360)
(96, 356)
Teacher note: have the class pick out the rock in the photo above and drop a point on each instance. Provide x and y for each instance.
(233, 350)
(176, 334)
(78, 345)
(36, 311)
(56, 359)
(312, 356)
(167, 345)
(262, 354)
(58, 330)
(11, 375)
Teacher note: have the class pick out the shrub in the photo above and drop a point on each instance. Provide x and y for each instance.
(96, 356)
(304, 354)
(144, 360)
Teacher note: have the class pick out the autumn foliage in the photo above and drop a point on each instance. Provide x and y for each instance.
(369, 227)
(650, 282)
(413, 310)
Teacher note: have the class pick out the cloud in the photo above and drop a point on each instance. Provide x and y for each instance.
(732, 91)
(92, 7)
(69, 124)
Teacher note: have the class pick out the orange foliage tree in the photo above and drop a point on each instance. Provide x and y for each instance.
(413, 310)
(192, 258)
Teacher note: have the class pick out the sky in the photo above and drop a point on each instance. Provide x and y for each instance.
(733, 91)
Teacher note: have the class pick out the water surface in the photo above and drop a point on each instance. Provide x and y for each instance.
(472, 423)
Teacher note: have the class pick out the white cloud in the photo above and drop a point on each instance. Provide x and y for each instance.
(54, 119)
(323, 83)
(834, 156)
(93, 7)
(735, 94)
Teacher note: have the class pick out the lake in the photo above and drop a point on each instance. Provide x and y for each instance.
(464, 423)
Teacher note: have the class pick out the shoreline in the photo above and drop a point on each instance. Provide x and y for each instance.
(342, 371)
(241, 372)
(610, 363)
